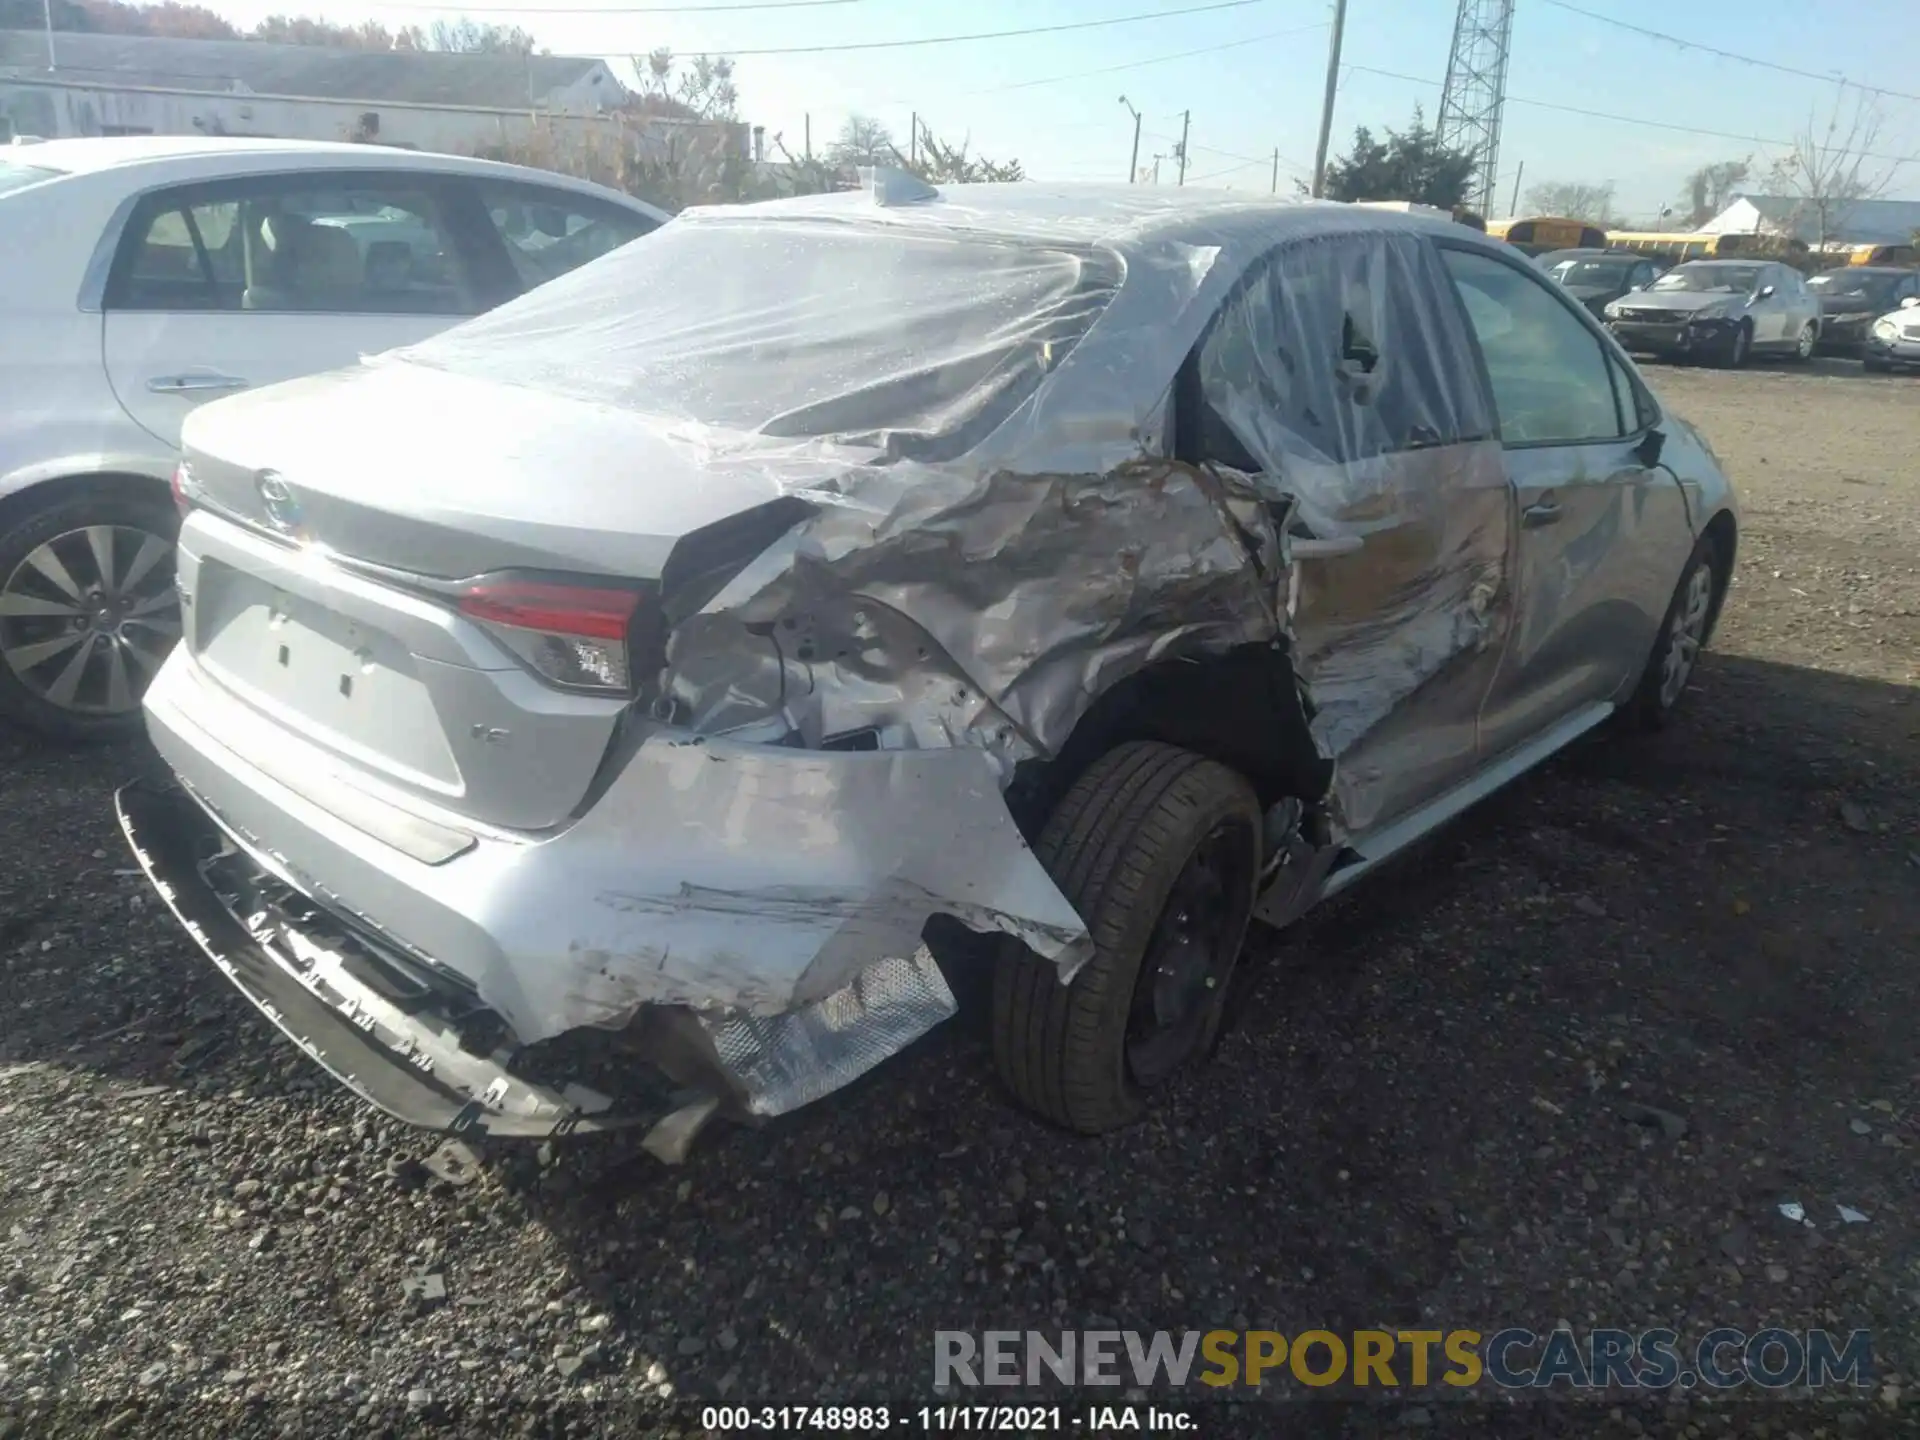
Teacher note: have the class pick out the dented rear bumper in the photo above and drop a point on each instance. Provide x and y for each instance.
(390, 1039)
(766, 895)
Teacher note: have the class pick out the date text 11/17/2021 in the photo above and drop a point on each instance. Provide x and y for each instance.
(945, 1419)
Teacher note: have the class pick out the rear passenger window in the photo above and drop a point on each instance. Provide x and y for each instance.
(180, 259)
(549, 232)
(276, 243)
(1335, 351)
(1553, 381)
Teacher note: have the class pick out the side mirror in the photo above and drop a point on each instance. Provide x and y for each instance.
(1909, 302)
(1765, 292)
(1648, 451)
(1636, 286)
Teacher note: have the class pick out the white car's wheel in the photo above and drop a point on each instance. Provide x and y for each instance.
(87, 610)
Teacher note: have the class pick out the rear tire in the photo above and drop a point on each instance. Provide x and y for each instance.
(1803, 347)
(1159, 850)
(1684, 633)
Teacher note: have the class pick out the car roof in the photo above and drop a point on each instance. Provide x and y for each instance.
(1839, 270)
(1122, 216)
(96, 154)
(90, 153)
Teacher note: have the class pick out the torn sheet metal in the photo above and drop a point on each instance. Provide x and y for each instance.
(782, 1062)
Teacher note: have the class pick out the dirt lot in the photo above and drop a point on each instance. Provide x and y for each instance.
(1420, 1116)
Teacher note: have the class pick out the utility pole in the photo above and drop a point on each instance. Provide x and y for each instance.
(1276, 170)
(1519, 170)
(809, 135)
(1326, 104)
(1186, 119)
(913, 140)
(52, 64)
(1133, 165)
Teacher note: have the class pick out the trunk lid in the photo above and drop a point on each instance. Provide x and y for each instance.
(350, 679)
(448, 476)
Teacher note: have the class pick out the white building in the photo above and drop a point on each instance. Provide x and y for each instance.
(1859, 222)
(425, 100)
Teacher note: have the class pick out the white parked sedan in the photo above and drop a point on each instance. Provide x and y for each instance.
(147, 275)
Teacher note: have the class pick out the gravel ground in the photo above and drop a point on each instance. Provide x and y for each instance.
(1425, 1111)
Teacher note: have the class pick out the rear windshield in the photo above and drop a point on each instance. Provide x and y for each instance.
(16, 177)
(916, 341)
(1592, 272)
(1737, 279)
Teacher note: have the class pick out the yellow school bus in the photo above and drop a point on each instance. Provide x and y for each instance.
(1883, 255)
(1537, 234)
(1680, 245)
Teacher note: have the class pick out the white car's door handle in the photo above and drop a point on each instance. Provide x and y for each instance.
(194, 384)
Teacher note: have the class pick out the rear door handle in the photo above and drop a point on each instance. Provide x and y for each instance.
(1541, 512)
(194, 384)
(1301, 547)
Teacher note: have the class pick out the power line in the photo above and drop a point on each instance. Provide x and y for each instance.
(1831, 78)
(1250, 159)
(980, 35)
(534, 9)
(1230, 170)
(1155, 60)
(1628, 119)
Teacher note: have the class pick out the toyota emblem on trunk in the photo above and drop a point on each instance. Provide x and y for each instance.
(283, 510)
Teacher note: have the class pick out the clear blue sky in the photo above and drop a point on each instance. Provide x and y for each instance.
(1264, 94)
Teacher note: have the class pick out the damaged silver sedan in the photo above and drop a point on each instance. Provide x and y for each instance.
(582, 716)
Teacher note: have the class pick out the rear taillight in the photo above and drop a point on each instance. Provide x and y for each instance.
(574, 635)
(183, 487)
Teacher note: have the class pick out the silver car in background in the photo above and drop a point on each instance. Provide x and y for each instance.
(601, 714)
(1720, 310)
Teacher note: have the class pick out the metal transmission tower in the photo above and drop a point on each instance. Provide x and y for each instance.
(1476, 92)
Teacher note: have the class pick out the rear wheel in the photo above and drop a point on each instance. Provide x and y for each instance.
(1159, 850)
(1803, 347)
(87, 610)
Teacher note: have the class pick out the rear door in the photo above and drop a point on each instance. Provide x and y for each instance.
(1602, 536)
(1338, 374)
(222, 286)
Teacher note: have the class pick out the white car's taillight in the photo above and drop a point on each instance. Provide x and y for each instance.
(574, 635)
(183, 487)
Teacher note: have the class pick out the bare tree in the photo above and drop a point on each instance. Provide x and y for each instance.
(1832, 167)
(703, 91)
(864, 140)
(1573, 200)
(1710, 189)
(469, 37)
(942, 163)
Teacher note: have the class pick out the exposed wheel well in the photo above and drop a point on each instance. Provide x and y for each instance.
(56, 488)
(1244, 708)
